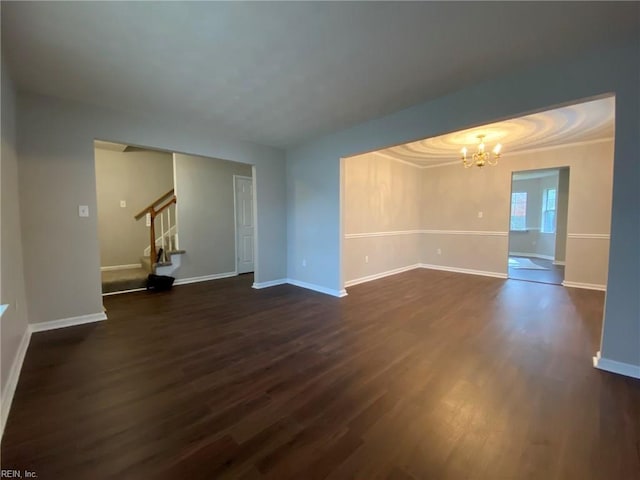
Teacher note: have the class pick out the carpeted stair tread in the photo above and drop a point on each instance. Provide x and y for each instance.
(120, 280)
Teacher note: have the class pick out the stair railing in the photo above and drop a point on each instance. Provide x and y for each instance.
(154, 210)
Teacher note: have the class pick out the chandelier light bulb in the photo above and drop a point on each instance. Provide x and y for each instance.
(481, 157)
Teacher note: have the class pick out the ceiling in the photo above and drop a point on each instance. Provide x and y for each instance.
(582, 122)
(535, 174)
(282, 73)
(114, 147)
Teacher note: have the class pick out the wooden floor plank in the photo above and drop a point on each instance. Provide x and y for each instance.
(423, 375)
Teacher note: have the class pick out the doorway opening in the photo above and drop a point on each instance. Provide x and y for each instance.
(184, 216)
(538, 225)
(244, 222)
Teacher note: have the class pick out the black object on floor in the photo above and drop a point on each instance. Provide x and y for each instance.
(159, 283)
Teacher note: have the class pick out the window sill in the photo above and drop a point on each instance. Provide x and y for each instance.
(519, 231)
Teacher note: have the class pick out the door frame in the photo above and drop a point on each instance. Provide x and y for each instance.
(235, 221)
(557, 168)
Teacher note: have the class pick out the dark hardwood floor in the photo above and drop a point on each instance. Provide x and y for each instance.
(423, 375)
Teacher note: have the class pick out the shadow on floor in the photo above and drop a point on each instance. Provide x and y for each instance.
(543, 271)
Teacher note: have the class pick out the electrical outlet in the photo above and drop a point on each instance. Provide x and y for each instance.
(366, 259)
(123, 204)
(304, 262)
(439, 251)
(480, 214)
(83, 210)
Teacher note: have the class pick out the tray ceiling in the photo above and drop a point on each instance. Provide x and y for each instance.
(581, 122)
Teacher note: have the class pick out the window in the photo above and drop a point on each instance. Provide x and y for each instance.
(549, 211)
(519, 211)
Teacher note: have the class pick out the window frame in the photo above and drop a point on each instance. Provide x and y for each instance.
(514, 203)
(546, 209)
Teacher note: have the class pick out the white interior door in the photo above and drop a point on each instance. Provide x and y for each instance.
(243, 187)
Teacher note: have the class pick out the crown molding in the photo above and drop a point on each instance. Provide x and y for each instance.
(504, 155)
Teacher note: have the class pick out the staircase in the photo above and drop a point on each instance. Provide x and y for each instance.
(162, 256)
(170, 262)
(163, 249)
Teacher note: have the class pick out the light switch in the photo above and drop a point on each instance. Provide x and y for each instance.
(123, 203)
(147, 219)
(83, 210)
(479, 214)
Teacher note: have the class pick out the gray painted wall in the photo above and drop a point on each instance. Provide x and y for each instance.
(314, 227)
(55, 150)
(204, 187)
(12, 286)
(137, 177)
(380, 195)
(433, 213)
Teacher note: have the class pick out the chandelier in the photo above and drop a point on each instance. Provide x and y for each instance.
(481, 158)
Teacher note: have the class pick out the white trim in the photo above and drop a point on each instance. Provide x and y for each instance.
(559, 262)
(270, 283)
(12, 380)
(204, 278)
(532, 255)
(108, 294)
(603, 236)
(235, 220)
(376, 276)
(464, 270)
(341, 224)
(482, 233)
(504, 155)
(587, 286)
(112, 268)
(382, 234)
(256, 263)
(614, 366)
(318, 288)
(68, 322)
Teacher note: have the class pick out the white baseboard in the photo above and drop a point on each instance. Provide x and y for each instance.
(318, 288)
(108, 294)
(270, 283)
(298, 283)
(531, 255)
(376, 276)
(464, 270)
(120, 267)
(16, 367)
(614, 366)
(588, 286)
(204, 278)
(67, 322)
(12, 380)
